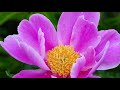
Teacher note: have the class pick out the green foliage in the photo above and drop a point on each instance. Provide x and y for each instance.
(5, 16)
(9, 66)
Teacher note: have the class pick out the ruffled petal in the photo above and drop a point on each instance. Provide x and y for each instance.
(34, 39)
(89, 73)
(41, 41)
(99, 62)
(33, 74)
(40, 21)
(67, 21)
(110, 35)
(84, 35)
(23, 52)
(90, 58)
(65, 26)
(27, 34)
(76, 68)
(112, 57)
(92, 17)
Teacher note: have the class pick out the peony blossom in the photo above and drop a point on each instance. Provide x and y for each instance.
(76, 50)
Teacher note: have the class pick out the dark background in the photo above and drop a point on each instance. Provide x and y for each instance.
(8, 26)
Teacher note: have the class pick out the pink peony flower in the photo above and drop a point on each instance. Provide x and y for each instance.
(76, 50)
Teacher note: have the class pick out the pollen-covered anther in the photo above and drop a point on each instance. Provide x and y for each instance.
(61, 58)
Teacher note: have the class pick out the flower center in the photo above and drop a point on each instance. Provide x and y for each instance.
(61, 58)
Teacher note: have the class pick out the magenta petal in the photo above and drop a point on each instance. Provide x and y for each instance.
(41, 40)
(65, 25)
(23, 52)
(28, 34)
(92, 17)
(67, 21)
(33, 74)
(40, 21)
(53, 76)
(33, 56)
(83, 74)
(98, 63)
(112, 58)
(84, 35)
(12, 46)
(76, 68)
(107, 35)
(1, 42)
(90, 58)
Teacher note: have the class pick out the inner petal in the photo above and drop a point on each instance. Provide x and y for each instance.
(61, 58)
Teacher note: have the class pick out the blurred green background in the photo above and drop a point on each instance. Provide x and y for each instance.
(8, 26)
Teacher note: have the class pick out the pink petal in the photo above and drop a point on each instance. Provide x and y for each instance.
(84, 35)
(33, 74)
(12, 46)
(90, 58)
(112, 58)
(92, 17)
(40, 21)
(53, 76)
(107, 35)
(28, 34)
(41, 40)
(83, 74)
(23, 52)
(76, 68)
(67, 21)
(1, 42)
(65, 25)
(98, 63)
(32, 55)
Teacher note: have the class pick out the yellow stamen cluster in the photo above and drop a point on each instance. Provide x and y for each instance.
(61, 58)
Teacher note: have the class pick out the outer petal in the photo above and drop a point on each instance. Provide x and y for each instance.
(28, 34)
(1, 42)
(40, 21)
(76, 68)
(67, 21)
(89, 73)
(112, 58)
(33, 56)
(23, 52)
(98, 63)
(107, 35)
(65, 25)
(33, 74)
(92, 17)
(90, 58)
(84, 35)
(53, 76)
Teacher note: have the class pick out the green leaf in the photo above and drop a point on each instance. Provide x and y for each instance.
(4, 16)
(8, 74)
